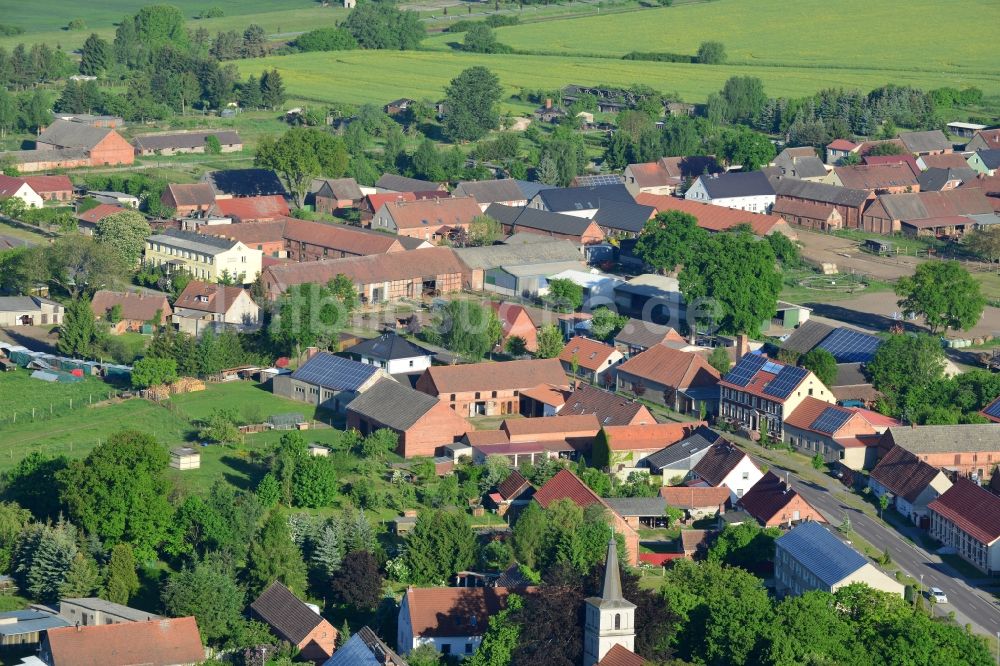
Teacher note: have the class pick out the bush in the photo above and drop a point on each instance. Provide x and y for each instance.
(211, 12)
(711, 53)
(326, 39)
(657, 57)
(77, 24)
(500, 20)
(7, 30)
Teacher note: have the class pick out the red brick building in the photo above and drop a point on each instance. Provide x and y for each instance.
(966, 449)
(488, 389)
(103, 146)
(422, 423)
(516, 321)
(292, 621)
(52, 188)
(188, 199)
(772, 502)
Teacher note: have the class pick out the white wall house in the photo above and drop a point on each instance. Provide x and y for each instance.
(742, 478)
(749, 191)
(452, 619)
(18, 188)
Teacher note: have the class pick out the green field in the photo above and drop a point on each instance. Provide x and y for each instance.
(275, 16)
(359, 77)
(19, 394)
(807, 33)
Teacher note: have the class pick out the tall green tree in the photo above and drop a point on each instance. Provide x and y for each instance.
(564, 295)
(440, 544)
(310, 314)
(44, 558)
(501, 637)
(984, 243)
(272, 89)
(13, 520)
(471, 99)
(550, 342)
(83, 578)
(739, 275)
(903, 369)
(122, 581)
(209, 592)
(670, 240)
(78, 332)
(95, 56)
(29, 484)
(119, 492)
(359, 581)
(275, 557)
(944, 294)
(468, 328)
(377, 25)
(79, 265)
(822, 364)
(302, 154)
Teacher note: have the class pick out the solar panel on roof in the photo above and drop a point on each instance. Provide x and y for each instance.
(745, 369)
(849, 346)
(334, 372)
(786, 381)
(993, 409)
(830, 419)
(599, 179)
(772, 367)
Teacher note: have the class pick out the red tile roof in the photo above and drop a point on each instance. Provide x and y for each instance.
(494, 376)
(713, 218)
(554, 396)
(137, 307)
(810, 409)
(512, 486)
(433, 213)
(46, 184)
(671, 367)
(249, 209)
(590, 354)
(219, 297)
(903, 473)
(192, 194)
(621, 656)
(841, 144)
(767, 498)
(654, 436)
(249, 234)
(165, 642)
(446, 611)
(945, 161)
(972, 509)
(509, 314)
(340, 237)
(550, 427)
(99, 212)
(609, 408)
(876, 176)
(908, 160)
(375, 201)
(688, 497)
(566, 485)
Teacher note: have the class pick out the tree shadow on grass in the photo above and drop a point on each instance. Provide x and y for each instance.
(247, 474)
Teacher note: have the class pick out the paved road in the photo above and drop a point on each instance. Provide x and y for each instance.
(970, 604)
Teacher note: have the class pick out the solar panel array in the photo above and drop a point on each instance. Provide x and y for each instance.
(772, 367)
(821, 553)
(993, 409)
(334, 372)
(830, 419)
(745, 369)
(849, 346)
(599, 179)
(786, 381)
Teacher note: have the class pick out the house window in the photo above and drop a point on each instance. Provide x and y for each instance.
(810, 391)
(477, 395)
(746, 475)
(446, 648)
(468, 648)
(618, 621)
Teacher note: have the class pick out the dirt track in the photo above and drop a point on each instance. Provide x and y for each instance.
(824, 248)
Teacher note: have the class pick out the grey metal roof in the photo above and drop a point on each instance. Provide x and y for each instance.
(821, 553)
(625, 216)
(333, 372)
(582, 198)
(388, 346)
(68, 134)
(947, 438)
(850, 374)
(985, 220)
(191, 241)
(392, 404)
(513, 255)
(637, 506)
(542, 220)
(185, 140)
(28, 622)
(390, 181)
(641, 333)
(364, 648)
(18, 304)
(925, 142)
(692, 446)
(490, 191)
(246, 182)
(104, 606)
(531, 188)
(991, 158)
(542, 268)
(736, 184)
(807, 336)
(832, 194)
(935, 178)
(341, 188)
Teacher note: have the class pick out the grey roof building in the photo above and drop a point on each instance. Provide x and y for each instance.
(24, 627)
(245, 182)
(91, 611)
(807, 336)
(365, 648)
(388, 347)
(623, 216)
(945, 438)
(637, 506)
(810, 557)
(186, 141)
(333, 372)
(187, 240)
(69, 134)
(392, 404)
(491, 191)
(540, 220)
(514, 255)
(685, 454)
(530, 188)
(935, 179)
(563, 199)
(337, 188)
(804, 189)
(736, 184)
(990, 158)
(931, 141)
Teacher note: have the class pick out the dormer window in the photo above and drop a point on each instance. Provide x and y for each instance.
(202, 299)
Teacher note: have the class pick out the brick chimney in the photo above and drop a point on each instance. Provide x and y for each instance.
(548, 103)
(742, 346)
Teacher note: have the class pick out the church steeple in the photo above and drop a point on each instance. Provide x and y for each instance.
(610, 617)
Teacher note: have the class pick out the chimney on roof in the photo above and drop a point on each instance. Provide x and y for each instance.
(742, 346)
(548, 103)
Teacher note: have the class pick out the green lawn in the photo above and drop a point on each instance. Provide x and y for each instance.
(19, 394)
(252, 402)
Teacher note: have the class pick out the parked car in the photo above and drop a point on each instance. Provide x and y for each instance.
(937, 595)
